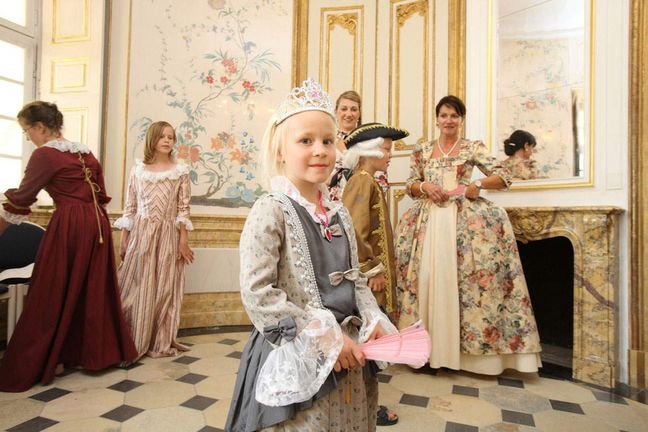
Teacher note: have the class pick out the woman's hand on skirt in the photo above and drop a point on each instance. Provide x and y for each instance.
(434, 192)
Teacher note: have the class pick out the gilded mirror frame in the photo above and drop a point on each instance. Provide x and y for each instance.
(587, 180)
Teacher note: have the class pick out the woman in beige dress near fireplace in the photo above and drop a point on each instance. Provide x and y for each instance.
(458, 267)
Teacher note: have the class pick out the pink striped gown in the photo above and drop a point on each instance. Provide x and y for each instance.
(151, 277)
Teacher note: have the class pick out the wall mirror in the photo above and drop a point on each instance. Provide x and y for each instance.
(540, 61)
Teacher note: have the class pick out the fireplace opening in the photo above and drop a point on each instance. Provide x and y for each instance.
(549, 271)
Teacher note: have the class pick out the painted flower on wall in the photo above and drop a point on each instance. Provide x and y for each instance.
(221, 75)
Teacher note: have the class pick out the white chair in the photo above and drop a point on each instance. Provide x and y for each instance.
(9, 292)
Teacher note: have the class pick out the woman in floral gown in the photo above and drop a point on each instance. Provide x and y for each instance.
(458, 267)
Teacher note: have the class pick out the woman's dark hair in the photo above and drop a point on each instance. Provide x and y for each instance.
(44, 112)
(517, 140)
(452, 102)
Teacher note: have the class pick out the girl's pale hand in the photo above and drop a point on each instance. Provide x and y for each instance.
(185, 253)
(434, 192)
(471, 192)
(377, 333)
(123, 245)
(377, 283)
(350, 356)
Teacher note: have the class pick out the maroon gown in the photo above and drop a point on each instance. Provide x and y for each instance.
(73, 312)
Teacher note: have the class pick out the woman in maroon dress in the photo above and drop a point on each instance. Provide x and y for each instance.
(73, 314)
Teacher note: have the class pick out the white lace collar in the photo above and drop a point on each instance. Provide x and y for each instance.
(283, 185)
(67, 146)
(171, 174)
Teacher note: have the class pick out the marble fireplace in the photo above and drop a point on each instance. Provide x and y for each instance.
(594, 235)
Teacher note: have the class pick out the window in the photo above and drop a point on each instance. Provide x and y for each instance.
(18, 39)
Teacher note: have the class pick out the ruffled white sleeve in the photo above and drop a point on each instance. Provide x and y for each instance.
(295, 371)
(15, 219)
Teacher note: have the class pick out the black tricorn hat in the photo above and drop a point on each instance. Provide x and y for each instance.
(369, 131)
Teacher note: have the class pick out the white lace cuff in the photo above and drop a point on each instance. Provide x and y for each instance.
(183, 220)
(12, 218)
(370, 319)
(295, 371)
(380, 268)
(124, 222)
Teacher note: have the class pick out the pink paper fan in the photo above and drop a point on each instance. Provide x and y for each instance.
(411, 346)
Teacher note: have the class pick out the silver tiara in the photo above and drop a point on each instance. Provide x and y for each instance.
(309, 97)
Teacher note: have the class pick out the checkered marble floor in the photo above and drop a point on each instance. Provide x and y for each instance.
(192, 393)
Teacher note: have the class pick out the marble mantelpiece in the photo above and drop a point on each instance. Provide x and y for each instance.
(594, 235)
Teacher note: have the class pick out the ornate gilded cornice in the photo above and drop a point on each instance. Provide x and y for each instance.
(348, 21)
(404, 12)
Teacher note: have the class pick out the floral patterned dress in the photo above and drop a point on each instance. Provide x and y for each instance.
(522, 169)
(459, 271)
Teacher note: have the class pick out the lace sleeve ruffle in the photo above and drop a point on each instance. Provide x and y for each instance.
(370, 319)
(186, 221)
(15, 219)
(124, 222)
(296, 370)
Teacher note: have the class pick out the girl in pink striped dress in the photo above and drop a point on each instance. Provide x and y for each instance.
(154, 245)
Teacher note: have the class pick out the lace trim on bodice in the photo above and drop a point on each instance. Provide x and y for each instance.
(174, 173)
(64, 145)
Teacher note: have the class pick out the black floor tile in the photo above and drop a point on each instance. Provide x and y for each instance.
(465, 391)
(235, 355)
(229, 342)
(419, 401)
(34, 425)
(191, 378)
(50, 395)
(125, 385)
(458, 427)
(609, 397)
(199, 403)
(210, 429)
(122, 413)
(566, 406)
(132, 366)
(186, 360)
(518, 418)
(510, 382)
(384, 378)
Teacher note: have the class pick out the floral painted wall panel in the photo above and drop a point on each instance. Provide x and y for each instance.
(536, 81)
(214, 69)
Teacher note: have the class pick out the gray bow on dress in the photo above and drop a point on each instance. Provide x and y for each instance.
(352, 275)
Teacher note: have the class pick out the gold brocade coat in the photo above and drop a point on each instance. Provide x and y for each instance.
(364, 199)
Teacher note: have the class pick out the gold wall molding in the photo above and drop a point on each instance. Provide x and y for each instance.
(212, 309)
(80, 115)
(594, 235)
(457, 48)
(300, 42)
(57, 35)
(63, 67)
(638, 151)
(404, 12)
(350, 18)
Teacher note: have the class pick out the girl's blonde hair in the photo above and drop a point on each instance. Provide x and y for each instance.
(272, 145)
(153, 135)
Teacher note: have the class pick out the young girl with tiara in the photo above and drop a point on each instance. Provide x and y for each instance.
(302, 368)
(154, 245)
